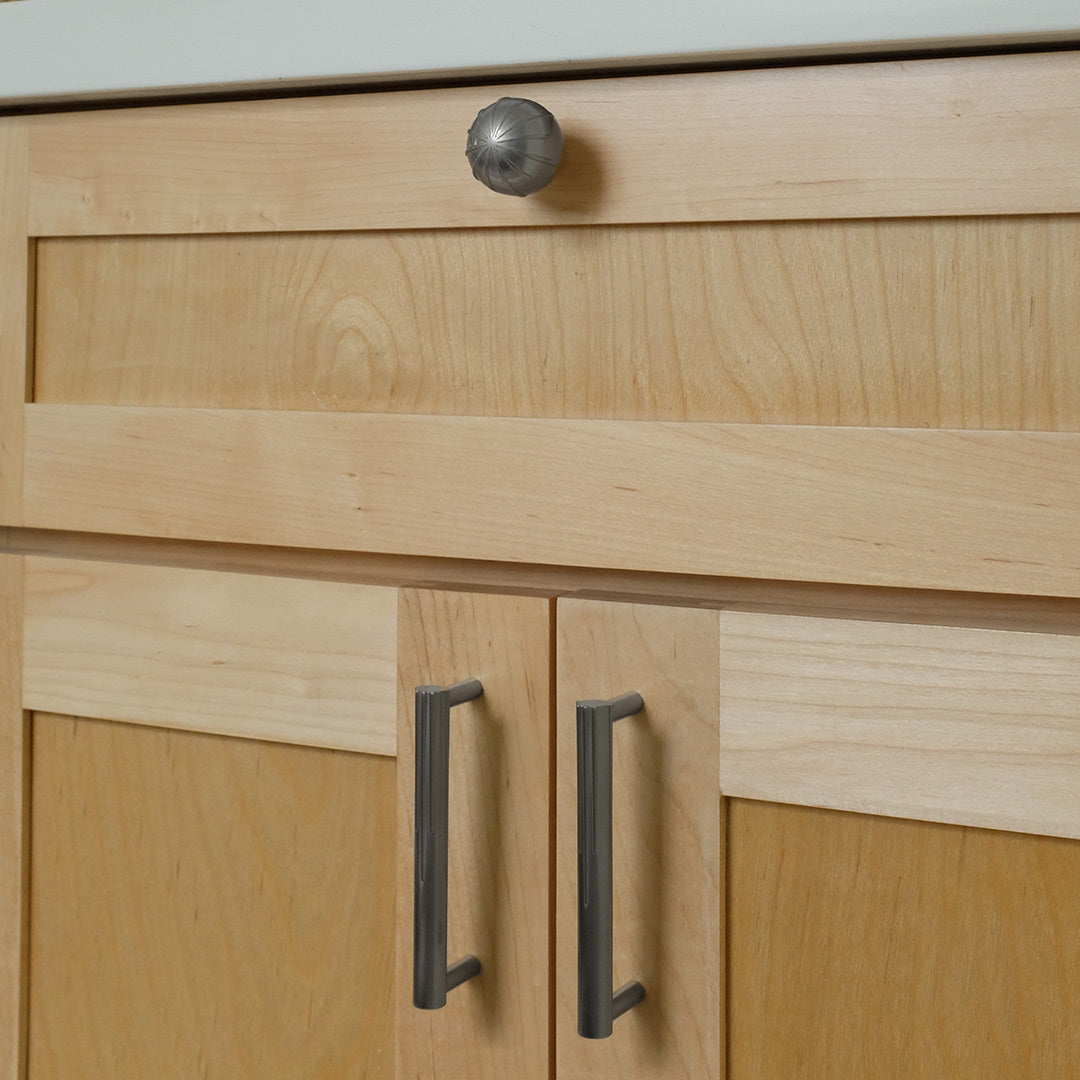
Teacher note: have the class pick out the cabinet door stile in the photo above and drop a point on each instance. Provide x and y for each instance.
(14, 764)
(15, 329)
(495, 1025)
(668, 872)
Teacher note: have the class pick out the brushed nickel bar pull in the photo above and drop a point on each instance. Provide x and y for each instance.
(432, 978)
(598, 1004)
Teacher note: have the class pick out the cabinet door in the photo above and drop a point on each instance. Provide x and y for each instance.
(866, 945)
(203, 904)
(668, 889)
(496, 1025)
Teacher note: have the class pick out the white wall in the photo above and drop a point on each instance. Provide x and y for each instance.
(63, 48)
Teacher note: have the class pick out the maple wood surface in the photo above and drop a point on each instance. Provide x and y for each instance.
(592, 387)
(973, 135)
(864, 946)
(15, 302)
(497, 1024)
(224, 906)
(959, 323)
(972, 726)
(971, 510)
(668, 864)
(305, 662)
(14, 822)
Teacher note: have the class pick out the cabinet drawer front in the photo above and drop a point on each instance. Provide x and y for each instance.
(305, 662)
(986, 135)
(970, 726)
(860, 338)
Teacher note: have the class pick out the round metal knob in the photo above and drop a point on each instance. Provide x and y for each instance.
(514, 146)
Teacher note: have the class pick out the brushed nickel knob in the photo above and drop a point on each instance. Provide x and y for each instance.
(514, 146)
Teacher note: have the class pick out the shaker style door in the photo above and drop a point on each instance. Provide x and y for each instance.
(903, 848)
(210, 816)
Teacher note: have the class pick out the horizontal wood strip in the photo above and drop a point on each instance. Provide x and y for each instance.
(969, 726)
(965, 323)
(1031, 614)
(284, 660)
(980, 511)
(980, 135)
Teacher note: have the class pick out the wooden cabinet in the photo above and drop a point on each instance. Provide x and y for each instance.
(295, 417)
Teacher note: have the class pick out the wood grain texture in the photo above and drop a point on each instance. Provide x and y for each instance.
(289, 660)
(971, 726)
(980, 511)
(956, 323)
(978, 135)
(668, 861)
(925, 607)
(211, 907)
(14, 824)
(14, 311)
(497, 1024)
(865, 946)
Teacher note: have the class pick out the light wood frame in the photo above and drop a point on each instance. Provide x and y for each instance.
(990, 135)
(14, 824)
(985, 135)
(310, 663)
(975, 136)
(978, 511)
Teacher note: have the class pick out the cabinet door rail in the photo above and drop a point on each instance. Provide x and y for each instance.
(987, 511)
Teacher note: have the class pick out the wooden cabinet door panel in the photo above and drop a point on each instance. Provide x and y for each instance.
(208, 906)
(877, 947)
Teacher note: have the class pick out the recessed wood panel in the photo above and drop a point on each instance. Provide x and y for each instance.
(868, 947)
(957, 323)
(308, 662)
(209, 907)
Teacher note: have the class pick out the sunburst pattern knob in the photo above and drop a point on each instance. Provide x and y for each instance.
(514, 146)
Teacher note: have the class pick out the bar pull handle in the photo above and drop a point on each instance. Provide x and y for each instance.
(432, 978)
(598, 1004)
